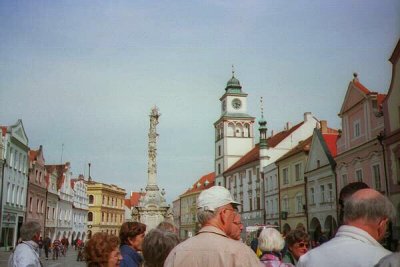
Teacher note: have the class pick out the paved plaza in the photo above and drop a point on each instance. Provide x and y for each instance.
(68, 261)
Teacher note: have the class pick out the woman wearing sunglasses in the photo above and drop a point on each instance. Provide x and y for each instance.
(297, 243)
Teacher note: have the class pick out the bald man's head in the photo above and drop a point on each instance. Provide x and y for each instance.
(369, 205)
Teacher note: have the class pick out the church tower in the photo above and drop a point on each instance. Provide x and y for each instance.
(234, 134)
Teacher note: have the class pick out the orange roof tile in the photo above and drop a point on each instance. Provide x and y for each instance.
(251, 156)
(201, 184)
(60, 170)
(254, 153)
(33, 154)
(133, 200)
(303, 146)
(3, 130)
(330, 140)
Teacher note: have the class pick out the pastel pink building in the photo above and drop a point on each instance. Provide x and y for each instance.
(36, 200)
(391, 111)
(359, 151)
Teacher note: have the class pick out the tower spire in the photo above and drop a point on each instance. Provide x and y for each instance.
(263, 126)
(233, 71)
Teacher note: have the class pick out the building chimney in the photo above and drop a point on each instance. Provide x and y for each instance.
(307, 116)
(324, 126)
(288, 126)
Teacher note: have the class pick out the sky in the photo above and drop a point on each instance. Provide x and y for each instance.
(84, 75)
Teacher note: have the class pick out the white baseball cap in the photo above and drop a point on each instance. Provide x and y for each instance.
(215, 197)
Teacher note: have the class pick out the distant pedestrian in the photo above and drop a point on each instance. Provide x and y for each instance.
(40, 243)
(271, 243)
(102, 250)
(157, 245)
(47, 245)
(254, 242)
(366, 214)
(131, 236)
(217, 243)
(27, 252)
(56, 249)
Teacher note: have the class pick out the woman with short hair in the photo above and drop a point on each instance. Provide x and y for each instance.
(102, 250)
(297, 243)
(131, 236)
(271, 242)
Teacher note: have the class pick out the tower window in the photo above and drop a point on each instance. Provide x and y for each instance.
(219, 150)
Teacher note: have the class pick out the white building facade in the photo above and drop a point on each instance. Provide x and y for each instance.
(79, 209)
(14, 179)
(51, 202)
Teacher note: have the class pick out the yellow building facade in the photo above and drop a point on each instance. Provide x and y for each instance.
(106, 208)
(292, 189)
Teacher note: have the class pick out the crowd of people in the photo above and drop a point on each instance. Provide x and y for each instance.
(363, 218)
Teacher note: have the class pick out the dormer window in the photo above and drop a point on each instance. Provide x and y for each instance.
(357, 128)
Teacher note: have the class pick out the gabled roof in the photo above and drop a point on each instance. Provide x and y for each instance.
(355, 83)
(60, 170)
(133, 200)
(205, 182)
(303, 146)
(330, 141)
(254, 153)
(33, 155)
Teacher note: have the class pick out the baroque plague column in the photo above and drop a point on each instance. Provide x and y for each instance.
(152, 208)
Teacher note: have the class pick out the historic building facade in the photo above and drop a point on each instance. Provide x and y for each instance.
(234, 135)
(106, 208)
(321, 182)
(188, 209)
(359, 153)
(391, 140)
(14, 179)
(51, 202)
(292, 192)
(36, 199)
(79, 208)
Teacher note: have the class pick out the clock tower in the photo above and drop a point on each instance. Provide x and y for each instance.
(234, 134)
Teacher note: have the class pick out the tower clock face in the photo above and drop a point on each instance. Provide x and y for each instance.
(236, 103)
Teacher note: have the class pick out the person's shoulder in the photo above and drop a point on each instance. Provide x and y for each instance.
(391, 260)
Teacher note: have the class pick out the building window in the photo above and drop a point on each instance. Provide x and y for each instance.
(30, 204)
(48, 213)
(91, 199)
(344, 179)
(318, 163)
(90, 217)
(330, 193)
(377, 176)
(312, 195)
(219, 150)
(356, 128)
(297, 170)
(250, 204)
(359, 175)
(102, 216)
(258, 204)
(249, 174)
(299, 203)
(285, 204)
(37, 206)
(219, 168)
(322, 188)
(285, 173)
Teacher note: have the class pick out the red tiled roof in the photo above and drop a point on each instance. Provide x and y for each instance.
(380, 98)
(303, 146)
(73, 183)
(3, 130)
(330, 140)
(361, 87)
(60, 170)
(33, 154)
(279, 137)
(254, 153)
(133, 200)
(201, 185)
(251, 156)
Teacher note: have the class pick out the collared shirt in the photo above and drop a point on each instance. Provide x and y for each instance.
(130, 258)
(26, 254)
(211, 247)
(351, 247)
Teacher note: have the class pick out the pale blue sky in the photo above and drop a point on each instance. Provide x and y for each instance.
(86, 74)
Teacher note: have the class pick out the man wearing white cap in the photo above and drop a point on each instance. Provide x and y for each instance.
(216, 244)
